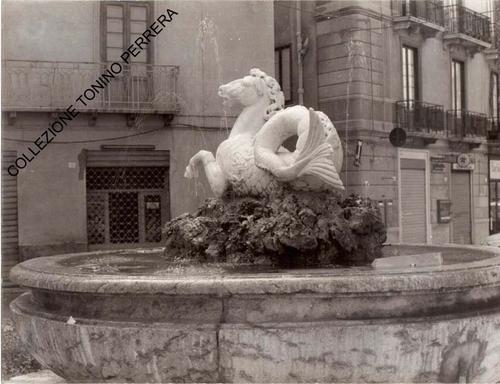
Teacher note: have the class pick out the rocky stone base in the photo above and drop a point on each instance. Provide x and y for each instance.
(290, 229)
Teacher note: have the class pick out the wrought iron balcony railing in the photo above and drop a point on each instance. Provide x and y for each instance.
(48, 86)
(420, 117)
(466, 124)
(468, 22)
(431, 11)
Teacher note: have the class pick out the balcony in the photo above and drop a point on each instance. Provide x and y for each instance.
(53, 86)
(429, 122)
(421, 119)
(467, 28)
(426, 17)
(467, 126)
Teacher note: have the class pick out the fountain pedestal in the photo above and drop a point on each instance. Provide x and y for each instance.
(134, 318)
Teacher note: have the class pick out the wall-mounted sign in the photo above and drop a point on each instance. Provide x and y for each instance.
(438, 158)
(463, 160)
(495, 169)
(444, 158)
(444, 211)
(152, 205)
(457, 167)
(438, 167)
(464, 163)
(397, 137)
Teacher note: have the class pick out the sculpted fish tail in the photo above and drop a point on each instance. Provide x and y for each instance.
(315, 159)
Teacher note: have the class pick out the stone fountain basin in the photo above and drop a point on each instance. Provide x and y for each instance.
(129, 316)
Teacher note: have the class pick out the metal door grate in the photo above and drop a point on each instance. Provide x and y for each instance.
(96, 221)
(123, 217)
(125, 204)
(100, 178)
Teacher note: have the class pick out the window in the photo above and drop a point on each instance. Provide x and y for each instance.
(494, 100)
(410, 73)
(123, 23)
(283, 70)
(457, 86)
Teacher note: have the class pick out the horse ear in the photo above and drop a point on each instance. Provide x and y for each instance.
(255, 72)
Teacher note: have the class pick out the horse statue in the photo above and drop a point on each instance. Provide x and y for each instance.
(253, 161)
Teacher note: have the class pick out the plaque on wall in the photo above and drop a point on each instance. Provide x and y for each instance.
(495, 169)
(438, 167)
(443, 211)
(464, 163)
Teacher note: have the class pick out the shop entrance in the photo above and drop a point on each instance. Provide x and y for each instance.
(413, 197)
(127, 197)
(126, 205)
(494, 206)
(460, 205)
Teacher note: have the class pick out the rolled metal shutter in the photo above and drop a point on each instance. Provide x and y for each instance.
(413, 210)
(460, 206)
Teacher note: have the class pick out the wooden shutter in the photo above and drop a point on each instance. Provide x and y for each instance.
(10, 242)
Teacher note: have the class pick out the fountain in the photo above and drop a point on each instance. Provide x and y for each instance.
(271, 281)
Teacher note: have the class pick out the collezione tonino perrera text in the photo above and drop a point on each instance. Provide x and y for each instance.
(58, 125)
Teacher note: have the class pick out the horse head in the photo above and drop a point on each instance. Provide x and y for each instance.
(253, 88)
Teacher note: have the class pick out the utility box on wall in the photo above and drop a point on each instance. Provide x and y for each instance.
(443, 211)
(386, 212)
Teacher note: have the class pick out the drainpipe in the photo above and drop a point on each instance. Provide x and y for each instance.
(300, 89)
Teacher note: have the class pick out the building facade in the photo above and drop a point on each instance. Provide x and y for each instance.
(412, 88)
(114, 175)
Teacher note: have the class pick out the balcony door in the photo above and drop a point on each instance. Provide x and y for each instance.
(122, 23)
(414, 118)
(457, 86)
(409, 60)
(494, 97)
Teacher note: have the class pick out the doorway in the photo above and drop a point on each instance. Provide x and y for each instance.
(126, 206)
(413, 201)
(494, 206)
(461, 228)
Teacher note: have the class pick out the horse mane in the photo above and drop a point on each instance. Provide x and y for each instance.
(268, 85)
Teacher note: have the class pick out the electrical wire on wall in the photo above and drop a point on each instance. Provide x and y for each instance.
(178, 125)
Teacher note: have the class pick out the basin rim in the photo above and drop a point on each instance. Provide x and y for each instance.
(47, 273)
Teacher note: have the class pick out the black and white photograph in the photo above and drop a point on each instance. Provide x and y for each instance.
(250, 191)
